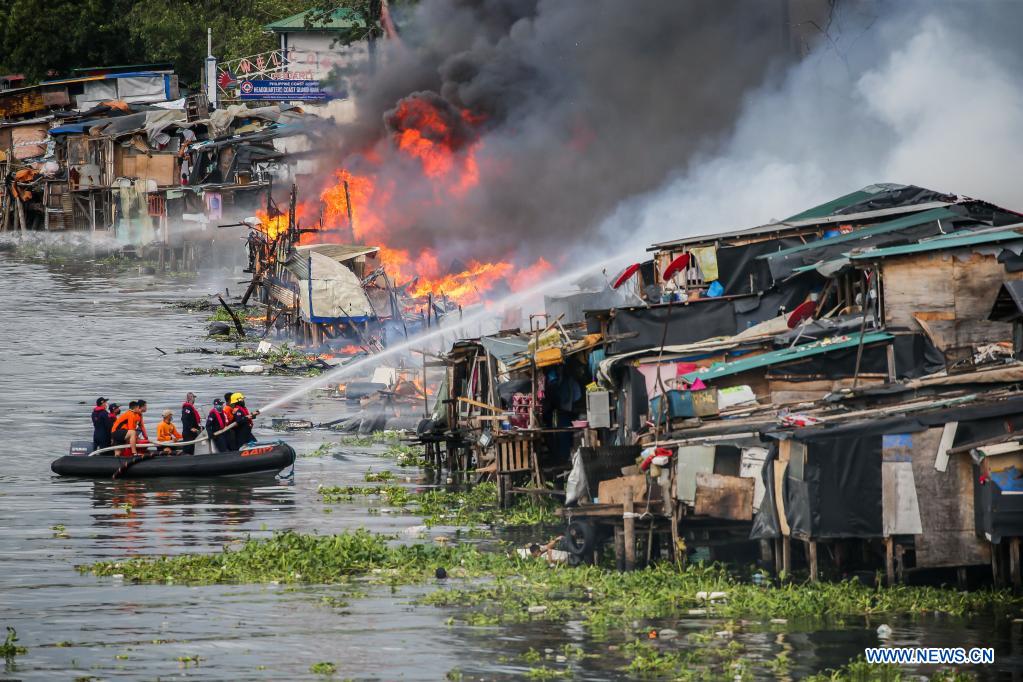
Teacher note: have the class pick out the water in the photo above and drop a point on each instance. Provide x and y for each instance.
(69, 336)
(489, 311)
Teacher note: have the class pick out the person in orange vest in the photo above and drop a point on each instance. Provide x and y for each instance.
(243, 418)
(228, 409)
(129, 428)
(166, 432)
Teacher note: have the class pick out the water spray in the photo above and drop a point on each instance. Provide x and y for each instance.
(483, 313)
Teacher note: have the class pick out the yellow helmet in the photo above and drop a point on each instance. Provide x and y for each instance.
(236, 398)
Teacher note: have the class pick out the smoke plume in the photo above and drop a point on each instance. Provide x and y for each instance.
(607, 125)
(574, 107)
(917, 93)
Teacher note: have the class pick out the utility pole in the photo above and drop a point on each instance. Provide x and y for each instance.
(210, 73)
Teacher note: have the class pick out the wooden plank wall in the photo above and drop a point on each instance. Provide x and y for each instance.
(948, 297)
(946, 507)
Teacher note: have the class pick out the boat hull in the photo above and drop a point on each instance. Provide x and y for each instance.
(268, 458)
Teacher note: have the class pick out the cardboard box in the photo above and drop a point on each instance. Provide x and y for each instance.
(724, 497)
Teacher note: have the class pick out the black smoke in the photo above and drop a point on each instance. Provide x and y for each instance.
(583, 104)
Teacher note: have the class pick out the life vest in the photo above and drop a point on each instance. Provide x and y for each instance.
(219, 417)
(244, 411)
(130, 421)
(191, 408)
(229, 413)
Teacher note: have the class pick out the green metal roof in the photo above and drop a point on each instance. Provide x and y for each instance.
(834, 205)
(881, 228)
(723, 369)
(341, 19)
(951, 241)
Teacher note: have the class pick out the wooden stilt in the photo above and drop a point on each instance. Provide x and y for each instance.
(811, 558)
(1014, 570)
(961, 578)
(619, 548)
(996, 565)
(630, 531)
(900, 565)
(786, 555)
(889, 561)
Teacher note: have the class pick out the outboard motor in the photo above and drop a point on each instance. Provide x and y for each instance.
(80, 448)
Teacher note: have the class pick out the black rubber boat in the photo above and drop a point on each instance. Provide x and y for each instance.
(259, 458)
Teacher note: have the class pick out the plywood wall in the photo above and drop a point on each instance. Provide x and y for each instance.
(946, 296)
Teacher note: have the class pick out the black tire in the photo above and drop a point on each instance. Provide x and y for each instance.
(580, 538)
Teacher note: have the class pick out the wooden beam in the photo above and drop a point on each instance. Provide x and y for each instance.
(811, 557)
(234, 317)
(1014, 570)
(630, 531)
(996, 568)
(889, 560)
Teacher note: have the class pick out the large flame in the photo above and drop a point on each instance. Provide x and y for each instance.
(357, 206)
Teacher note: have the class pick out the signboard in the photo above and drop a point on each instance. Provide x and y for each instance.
(278, 89)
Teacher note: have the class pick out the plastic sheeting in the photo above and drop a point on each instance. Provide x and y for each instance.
(332, 292)
(573, 305)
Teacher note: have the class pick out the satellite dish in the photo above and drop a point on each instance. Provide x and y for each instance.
(676, 266)
(804, 311)
(624, 276)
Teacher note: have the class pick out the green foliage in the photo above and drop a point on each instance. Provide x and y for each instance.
(323, 668)
(379, 476)
(289, 557)
(10, 648)
(474, 507)
(64, 34)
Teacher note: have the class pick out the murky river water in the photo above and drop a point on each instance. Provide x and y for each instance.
(69, 336)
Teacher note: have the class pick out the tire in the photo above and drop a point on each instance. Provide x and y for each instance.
(580, 538)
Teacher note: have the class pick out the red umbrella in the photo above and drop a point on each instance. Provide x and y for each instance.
(676, 266)
(803, 311)
(625, 275)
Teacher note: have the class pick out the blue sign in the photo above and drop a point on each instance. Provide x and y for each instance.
(281, 90)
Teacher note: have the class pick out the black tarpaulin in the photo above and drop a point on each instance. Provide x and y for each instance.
(783, 298)
(742, 271)
(839, 493)
(765, 521)
(908, 195)
(639, 328)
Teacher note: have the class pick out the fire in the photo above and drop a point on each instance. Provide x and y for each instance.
(441, 143)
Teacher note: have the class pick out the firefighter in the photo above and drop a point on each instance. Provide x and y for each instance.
(243, 418)
(215, 421)
(166, 432)
(191, 423)
(102, 424)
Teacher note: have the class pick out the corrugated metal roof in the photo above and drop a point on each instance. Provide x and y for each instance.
(340, 252)
(939, 244)
(863, 233)
(723, 369)
(787, 225)
(340, 19)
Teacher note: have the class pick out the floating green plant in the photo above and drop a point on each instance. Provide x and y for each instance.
(10, 647)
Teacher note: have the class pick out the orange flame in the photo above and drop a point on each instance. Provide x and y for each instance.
(358, 207)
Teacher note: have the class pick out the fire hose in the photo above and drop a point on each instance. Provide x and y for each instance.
(162, 444)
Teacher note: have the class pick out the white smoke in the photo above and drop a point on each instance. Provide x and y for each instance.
(932, 100)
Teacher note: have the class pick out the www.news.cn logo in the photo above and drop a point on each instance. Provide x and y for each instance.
(930, 655)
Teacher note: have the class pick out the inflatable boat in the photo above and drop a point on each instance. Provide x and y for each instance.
(258, 458)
